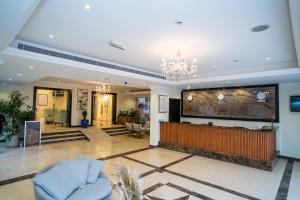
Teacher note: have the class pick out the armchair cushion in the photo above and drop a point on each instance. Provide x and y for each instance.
(63, 178)
(129, 126)
(95, 168)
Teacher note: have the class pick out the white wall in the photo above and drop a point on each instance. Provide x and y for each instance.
(155, 116)
(289, 121)
(125, 101)
(288, 133)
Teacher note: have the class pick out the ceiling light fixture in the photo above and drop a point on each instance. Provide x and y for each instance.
(260, 28)
(10, 79)
(268, 58)
(102, 88)
(177, 69)
(117, 45)
(31, 67)
(87, 6)
(19, 74)
(51, 36)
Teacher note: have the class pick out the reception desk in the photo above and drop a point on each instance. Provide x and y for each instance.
(254, 148)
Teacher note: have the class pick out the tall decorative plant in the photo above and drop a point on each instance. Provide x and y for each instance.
(11, 109)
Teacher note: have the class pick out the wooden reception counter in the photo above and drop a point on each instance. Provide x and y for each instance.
(255, 148)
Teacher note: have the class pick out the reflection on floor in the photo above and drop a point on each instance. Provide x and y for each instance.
(166, 174)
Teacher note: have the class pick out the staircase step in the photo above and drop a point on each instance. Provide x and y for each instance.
(121, 133)
(61, 136)
(63, 140)
(116, 130)
(61, 133)
(110, 128)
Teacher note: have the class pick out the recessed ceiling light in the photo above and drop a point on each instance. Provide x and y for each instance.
(236, 60)
(10, 79)
(31, 67)
(87, 6)
(268, 58)
(178, 21)
(260, 28)
(51, 36)
(117, 45)
(19, 74)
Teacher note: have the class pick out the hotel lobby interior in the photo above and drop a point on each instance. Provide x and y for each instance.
(150, 100)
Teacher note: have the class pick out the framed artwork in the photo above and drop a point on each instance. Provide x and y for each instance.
(42, 100)
(163, 103)
(32, 133)
(247, 103)
(82, 99)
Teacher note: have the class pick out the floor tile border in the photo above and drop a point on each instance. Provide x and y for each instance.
(195, 194)
(30, 176)
(284, 186)
(163, 169)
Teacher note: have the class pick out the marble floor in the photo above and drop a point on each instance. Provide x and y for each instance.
(165, 174)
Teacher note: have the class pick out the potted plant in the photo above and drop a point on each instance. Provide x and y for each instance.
(11, 109)
(129, 185)
(84, 121)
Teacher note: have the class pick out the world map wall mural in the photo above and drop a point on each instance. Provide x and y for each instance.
(253, 103)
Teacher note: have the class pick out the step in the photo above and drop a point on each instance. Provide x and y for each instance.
(63, 140)
(61, 133)
(117, 127)
(121, 133)
(116, 130)
(62, 136)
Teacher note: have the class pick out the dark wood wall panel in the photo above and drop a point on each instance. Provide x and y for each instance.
(252, 144)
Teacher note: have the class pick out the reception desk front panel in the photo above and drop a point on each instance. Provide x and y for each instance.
(234, 143)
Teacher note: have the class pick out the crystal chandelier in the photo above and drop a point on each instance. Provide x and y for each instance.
(102, 88)
(178, 69)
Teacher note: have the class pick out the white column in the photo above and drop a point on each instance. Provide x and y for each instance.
(155, 116)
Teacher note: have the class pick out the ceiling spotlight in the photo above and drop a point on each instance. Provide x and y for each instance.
(178, 21)
(117, 45)
(51, 36)
(19, 74)
(268, 58)
(10, 79)
(31, 67)
(260, 28)
(87, 6)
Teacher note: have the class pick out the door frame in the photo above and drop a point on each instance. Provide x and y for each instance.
(69, 101)
(114, 107)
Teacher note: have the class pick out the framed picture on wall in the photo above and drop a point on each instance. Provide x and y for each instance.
(32, 133)
(42, 100)
(162, 103)
(82, 99)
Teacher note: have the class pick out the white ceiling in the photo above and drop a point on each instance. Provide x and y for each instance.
(215, 32)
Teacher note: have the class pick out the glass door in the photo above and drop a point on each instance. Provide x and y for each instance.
(102, 109)
(52, 108)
